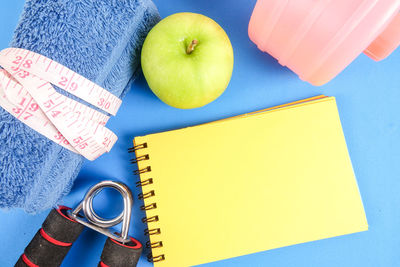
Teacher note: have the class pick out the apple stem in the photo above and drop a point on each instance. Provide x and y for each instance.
(191, 46)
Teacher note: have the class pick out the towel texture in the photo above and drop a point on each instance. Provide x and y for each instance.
(100, 40)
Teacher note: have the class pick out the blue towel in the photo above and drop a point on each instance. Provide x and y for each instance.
(100, 40)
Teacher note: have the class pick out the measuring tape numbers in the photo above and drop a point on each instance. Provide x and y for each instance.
(26, 93)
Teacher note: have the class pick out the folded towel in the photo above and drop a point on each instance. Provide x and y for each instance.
(100, 40)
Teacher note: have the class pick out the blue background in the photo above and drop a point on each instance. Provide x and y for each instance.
(368, 97)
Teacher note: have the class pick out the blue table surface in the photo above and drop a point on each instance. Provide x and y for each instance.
(368, 97)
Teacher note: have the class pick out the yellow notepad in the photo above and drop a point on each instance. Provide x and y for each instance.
(259, 181)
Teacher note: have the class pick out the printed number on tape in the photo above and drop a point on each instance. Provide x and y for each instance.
(26, 92)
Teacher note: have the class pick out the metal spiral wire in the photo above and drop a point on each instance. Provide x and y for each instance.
(151, 206)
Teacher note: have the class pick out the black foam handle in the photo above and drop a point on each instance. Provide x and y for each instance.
(52, 242)
(116, 254)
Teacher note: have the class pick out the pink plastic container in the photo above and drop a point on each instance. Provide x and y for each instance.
(317, 39)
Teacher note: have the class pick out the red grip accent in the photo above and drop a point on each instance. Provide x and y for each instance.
(137, 243)
(60, 209)
(102, 264)
(52, 240)
(28, 262)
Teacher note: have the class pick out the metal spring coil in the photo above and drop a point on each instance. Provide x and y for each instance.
(149, 181)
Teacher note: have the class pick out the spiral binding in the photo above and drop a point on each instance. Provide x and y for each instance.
(151, 193)
(144, 157)
(149, 207)
(144, 182)
(158, 244)
(150, 219)
(137, 147)
(155, 231)
(140, 171)
(146, 195)
(152, 258)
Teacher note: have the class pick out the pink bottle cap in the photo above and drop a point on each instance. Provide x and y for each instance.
(318, 39)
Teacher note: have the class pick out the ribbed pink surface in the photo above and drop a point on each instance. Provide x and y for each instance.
(318, 39)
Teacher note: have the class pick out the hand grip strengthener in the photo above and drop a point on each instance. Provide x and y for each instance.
(63, 226)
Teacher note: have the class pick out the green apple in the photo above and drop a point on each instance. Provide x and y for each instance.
(187, 60)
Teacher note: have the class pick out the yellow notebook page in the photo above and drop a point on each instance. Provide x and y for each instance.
(262, 181)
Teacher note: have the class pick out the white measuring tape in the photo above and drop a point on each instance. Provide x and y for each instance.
(26, 93)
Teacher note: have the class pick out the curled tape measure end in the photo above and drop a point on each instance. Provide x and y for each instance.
(26, 93)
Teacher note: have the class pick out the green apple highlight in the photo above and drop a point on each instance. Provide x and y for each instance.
(187, 60)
